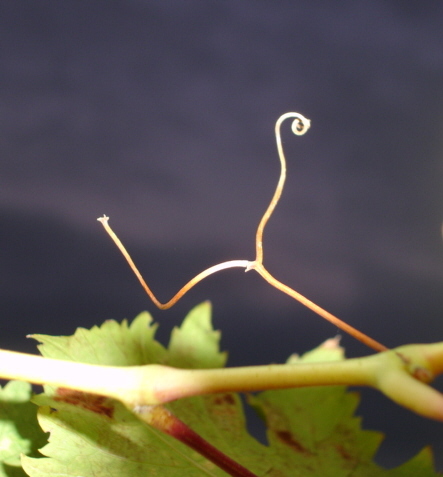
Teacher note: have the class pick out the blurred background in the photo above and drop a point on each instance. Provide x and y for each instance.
(160, 114)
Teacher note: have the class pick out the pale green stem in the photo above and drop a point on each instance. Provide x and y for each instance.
(401, 374)
(156, 384)
(195, 382)
(104, 380)
(405, 373)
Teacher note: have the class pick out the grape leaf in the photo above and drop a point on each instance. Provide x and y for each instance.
(113, 344)
(195, 344)
(311, 431)
(19, 430)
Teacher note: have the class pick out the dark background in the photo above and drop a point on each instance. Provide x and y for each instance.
(161, 115)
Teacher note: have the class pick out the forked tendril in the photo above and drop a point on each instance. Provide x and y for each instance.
(299, 127)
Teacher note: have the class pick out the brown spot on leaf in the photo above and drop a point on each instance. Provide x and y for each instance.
(91, 402)
(289, 440)
(344, 453)
(221, 399)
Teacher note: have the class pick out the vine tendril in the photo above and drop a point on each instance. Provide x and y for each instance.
(300, 126)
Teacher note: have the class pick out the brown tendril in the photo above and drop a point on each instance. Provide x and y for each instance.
(299, 127)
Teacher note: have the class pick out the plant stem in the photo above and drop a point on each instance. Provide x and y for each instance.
(155, 384)
(108, 381)
(198, 278)
(195, 382)
(357, 334)
(300, 126)
(402, 374)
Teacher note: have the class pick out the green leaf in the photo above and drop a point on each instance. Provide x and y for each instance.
(113, 344)
(85, 443)
(195, 344)
(314, 430)
(421, 465)
(311, 431)
(19, 430)
(91, 436)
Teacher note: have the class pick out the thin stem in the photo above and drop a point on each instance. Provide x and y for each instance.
(184, 289)
(371, 343)
(300, 126)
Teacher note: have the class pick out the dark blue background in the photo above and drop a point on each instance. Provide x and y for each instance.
(161, 115)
